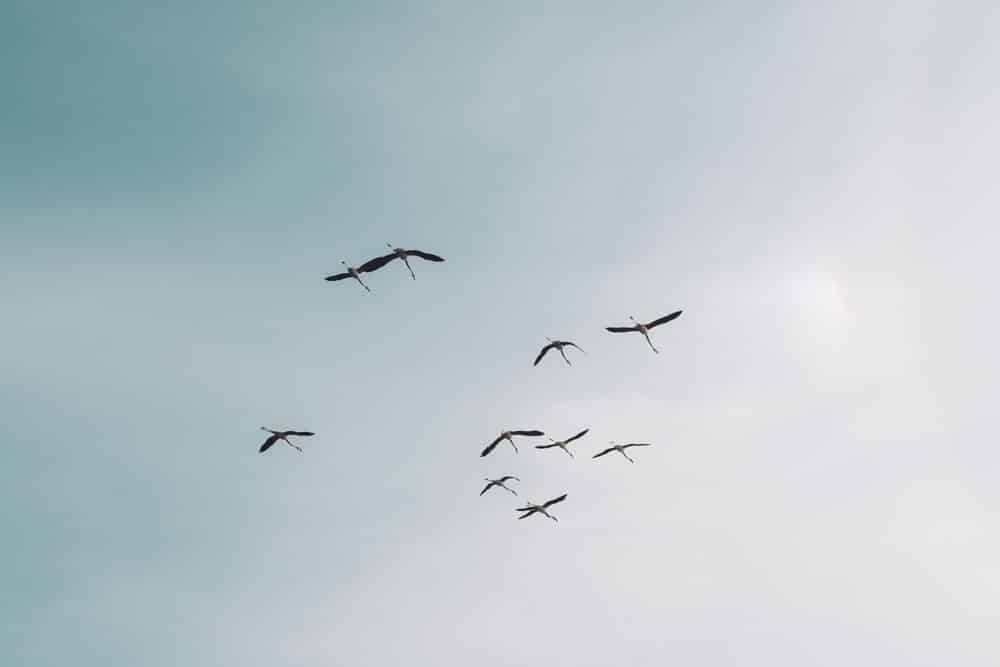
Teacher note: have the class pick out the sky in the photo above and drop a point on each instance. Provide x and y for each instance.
(813, 185)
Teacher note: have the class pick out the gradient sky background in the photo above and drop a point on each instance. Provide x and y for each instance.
(815, 187)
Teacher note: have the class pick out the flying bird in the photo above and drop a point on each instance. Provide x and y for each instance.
(355, 272)
(532, 508)
(403, 254)
(644, 328)
(558, 345)
(621, 449)
(499, 482)
(507, 435)
(281, 435)
(561, 444)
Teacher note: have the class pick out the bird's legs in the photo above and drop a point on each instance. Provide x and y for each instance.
(358, 278)
(511, 441)
(650, 342)
(502, 486)
(289, 443)
(564, 357)
(407, 262)
(627, 456)
(566, 449)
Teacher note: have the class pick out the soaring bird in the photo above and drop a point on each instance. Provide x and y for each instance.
(403, 254)
(561, 444)
(621, 449)
(355, 272)
(507, 435)
(558, 345)
(281, 435)
(499, 482)
(644, 328)
(532, 508)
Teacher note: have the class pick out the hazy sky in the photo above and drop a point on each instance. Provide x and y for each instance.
(815, 187)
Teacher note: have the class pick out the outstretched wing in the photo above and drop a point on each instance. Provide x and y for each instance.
(664, 319)
(620, 329)
(532, 433)
(542, 353)
(270, 441)
(554, 444)
(507, 477)
(572, 344)
(555, 500)
(430, 257)
(338, 276)
(490, 447)
(526, 514)
(487, 488)
(301, 433)
(377, 263)
(638, 444)
(598, 454)
(578, 435)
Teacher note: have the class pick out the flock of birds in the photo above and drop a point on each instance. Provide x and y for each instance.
(530, 508)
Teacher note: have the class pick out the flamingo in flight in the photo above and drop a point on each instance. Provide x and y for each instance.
(403, 254)
(532, 508)
(621, 449)
(355, 272)
(499, 482)
(281, 435)
(561, 444)
(558, 345)
(508, 436)
(644, 328)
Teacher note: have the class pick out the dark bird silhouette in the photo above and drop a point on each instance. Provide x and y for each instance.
(355, 272)
(403, 254)
(532, 508)
(507, 435)
(561, 444)
(621, 449)
(558, 345)
(499, 482)
(644, 328)
(281, 435)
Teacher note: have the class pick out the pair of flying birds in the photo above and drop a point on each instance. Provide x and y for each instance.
(377, 263)
(530, 508)
(637, 327)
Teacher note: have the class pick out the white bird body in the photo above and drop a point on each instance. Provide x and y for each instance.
(639, 327)
(557, 345)
(509, 437)
(499, 482)
(535, 508)
(562, 444)
(621, 449)
(352, 272)
(282, 436)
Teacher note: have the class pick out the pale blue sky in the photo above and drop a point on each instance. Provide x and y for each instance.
(814, 187)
